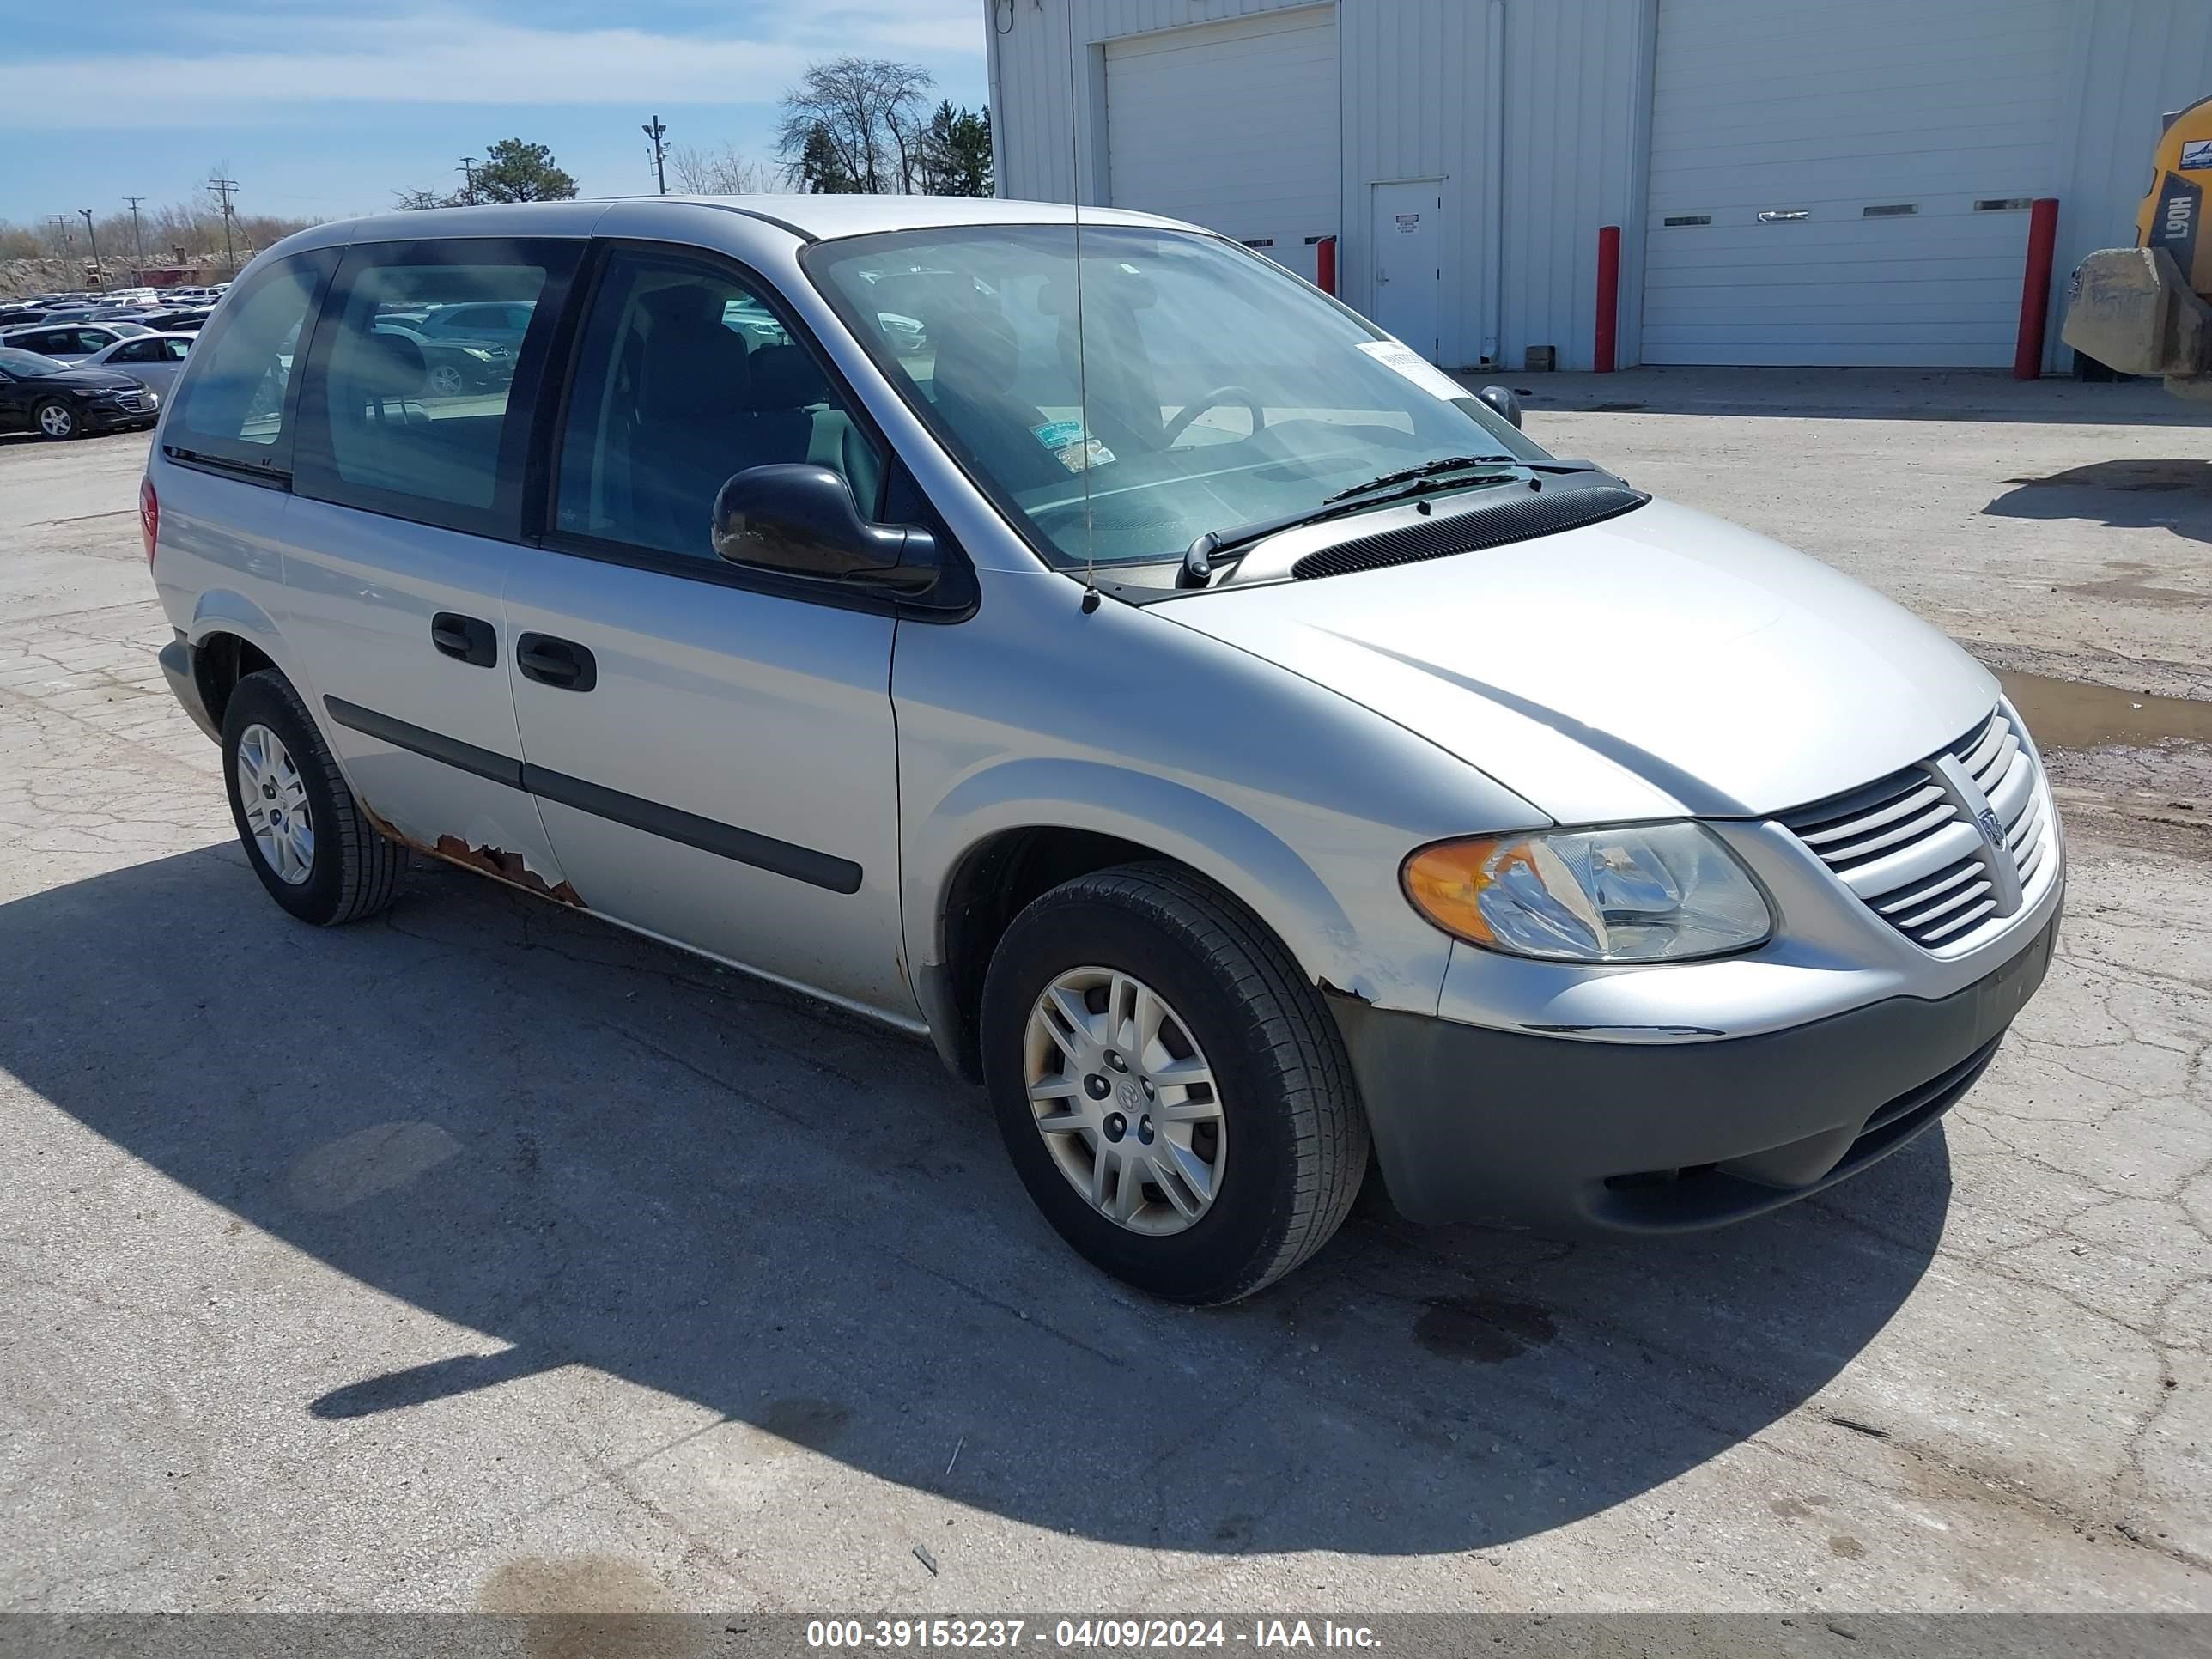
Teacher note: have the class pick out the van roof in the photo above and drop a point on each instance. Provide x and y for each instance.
(812, 217)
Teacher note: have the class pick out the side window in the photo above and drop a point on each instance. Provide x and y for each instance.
(133, 351)
(401, 418)
(683, 376)
(95, 339)
(233, 404)
(174, 350)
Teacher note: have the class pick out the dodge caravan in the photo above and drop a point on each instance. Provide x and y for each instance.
(1079, 642)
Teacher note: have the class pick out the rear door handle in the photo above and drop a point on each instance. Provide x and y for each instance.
(468, 639)
(563, 663)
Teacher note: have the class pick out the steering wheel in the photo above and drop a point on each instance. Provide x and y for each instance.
(1215, 399)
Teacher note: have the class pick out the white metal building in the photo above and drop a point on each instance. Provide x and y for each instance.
(1796, 181)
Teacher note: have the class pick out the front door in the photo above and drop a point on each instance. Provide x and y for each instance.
(715, 758)
(1407, 239)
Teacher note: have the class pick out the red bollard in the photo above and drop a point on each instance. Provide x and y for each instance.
(1325, 264)
(1609, 299)
(2035, 289)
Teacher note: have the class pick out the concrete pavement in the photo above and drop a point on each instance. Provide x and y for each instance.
(483, 1256)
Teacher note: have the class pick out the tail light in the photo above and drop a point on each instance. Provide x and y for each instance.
(150, 515)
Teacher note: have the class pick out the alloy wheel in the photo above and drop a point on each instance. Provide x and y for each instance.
(1124, 1100)
(56, 421)
(274, 799)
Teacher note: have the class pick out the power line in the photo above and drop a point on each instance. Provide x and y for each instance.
(223, 187)
(656, 131)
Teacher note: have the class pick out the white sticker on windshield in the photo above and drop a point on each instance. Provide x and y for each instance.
(1066, 439)
(1391, 354)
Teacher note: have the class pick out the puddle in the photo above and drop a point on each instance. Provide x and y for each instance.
(2075, 714)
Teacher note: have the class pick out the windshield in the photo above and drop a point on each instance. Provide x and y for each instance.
(28, 364)
(1213, 389)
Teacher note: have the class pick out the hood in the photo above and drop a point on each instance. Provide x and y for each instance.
(1659, 664)
(87, 377)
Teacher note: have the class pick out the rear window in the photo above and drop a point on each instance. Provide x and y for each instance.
(411, 412)
(234, 405)
(401, 416)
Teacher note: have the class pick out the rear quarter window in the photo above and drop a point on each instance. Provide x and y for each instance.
(235, 405)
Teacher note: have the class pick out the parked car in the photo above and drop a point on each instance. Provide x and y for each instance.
(16, 316)
(152, 359)
(501, 325)
(69, 341)
(69, 400)
(1222, 734)
(182, 320)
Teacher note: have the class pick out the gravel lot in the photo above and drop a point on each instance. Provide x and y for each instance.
(483, 1256)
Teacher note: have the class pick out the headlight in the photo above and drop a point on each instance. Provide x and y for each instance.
(1650, 892)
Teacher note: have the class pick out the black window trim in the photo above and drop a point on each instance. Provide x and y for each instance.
(315, 476)
(268, 466)
(956, 595)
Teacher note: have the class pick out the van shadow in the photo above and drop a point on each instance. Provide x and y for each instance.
(597, 1151)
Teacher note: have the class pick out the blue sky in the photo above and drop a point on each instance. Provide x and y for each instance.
(328, 108)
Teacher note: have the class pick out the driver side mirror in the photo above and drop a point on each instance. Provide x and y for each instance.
(1503, 399)
(802, 521)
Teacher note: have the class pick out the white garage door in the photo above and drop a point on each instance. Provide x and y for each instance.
(1232, 126)
(1847, 182)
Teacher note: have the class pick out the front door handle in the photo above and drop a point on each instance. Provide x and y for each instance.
(468, 639)
(563, 663)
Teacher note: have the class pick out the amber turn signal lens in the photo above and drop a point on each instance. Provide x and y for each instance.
(1445, 883)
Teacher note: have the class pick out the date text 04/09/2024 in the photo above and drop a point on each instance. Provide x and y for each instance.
(1107, 1635)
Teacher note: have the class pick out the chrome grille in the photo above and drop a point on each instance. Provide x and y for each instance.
(1907, 846)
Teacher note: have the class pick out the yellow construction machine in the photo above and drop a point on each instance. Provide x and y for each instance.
(2143, 310)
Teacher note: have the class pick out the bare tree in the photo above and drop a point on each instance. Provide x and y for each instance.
(870, 112)
(696, 171)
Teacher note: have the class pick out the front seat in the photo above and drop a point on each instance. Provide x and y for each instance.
(693, 428)
(977, 357)
(797, 418)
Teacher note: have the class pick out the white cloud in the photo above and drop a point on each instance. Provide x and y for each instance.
(240, 76)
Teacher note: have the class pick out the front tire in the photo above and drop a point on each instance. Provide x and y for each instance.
(305, 836)
(56, 421)
(1170, 1089)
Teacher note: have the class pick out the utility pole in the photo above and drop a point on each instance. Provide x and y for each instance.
(656, 131)
(62, 223)
(137, 247)
(468, 179)
(223, 187)
(99, 277)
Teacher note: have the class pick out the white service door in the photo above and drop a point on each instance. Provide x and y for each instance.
(1232, 126)
(1866, 133)
(1408, 238)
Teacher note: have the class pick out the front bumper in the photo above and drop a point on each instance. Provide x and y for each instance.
(108, 418)
(1474, 1124)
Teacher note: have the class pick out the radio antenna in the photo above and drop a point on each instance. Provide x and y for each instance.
(1083, 448)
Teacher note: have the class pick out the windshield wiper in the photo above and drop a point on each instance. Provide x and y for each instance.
(1407, 474)
(1198, 559)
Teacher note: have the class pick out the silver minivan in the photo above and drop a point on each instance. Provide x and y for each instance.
(1074, 640)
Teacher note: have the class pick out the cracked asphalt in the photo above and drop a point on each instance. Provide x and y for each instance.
(485, 1256)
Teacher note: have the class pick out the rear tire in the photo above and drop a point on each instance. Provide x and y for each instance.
(344, 871)
(1287, 1146)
